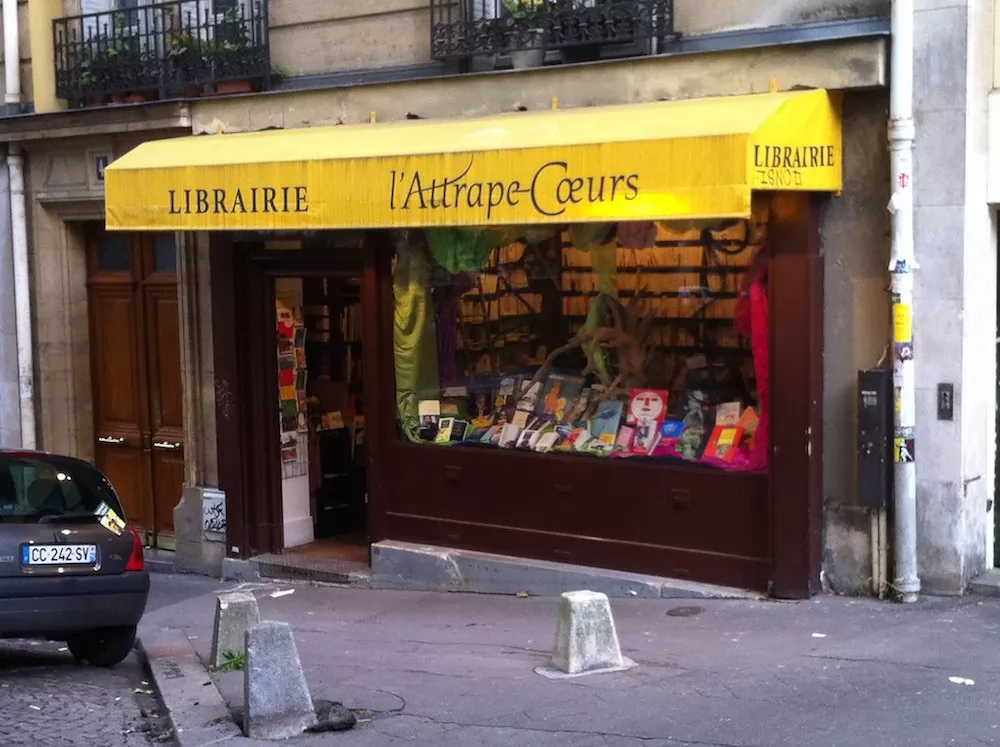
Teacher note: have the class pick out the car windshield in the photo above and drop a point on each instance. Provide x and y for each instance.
(36, 488)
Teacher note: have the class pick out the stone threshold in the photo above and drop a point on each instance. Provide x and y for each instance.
(987, 584)
(405, 566)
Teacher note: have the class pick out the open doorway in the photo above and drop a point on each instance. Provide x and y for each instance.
(321, 417)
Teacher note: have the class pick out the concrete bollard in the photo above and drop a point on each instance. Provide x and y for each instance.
(586, 639)
(277, 700)
(235, 613)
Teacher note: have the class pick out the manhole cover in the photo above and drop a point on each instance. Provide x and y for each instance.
(685, 611)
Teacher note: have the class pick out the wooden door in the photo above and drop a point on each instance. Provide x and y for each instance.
(136, 374)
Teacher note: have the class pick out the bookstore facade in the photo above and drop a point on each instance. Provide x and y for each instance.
(591, 336)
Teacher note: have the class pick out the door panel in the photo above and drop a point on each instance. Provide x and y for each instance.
(124, 467)
(118, 397)
(168, 484)
(163, 350)
(114, 347)
(136, 372)
(163, 341)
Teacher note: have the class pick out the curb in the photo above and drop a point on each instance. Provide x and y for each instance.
(197, 712)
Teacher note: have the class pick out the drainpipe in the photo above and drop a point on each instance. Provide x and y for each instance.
(901, 266)
(12, 56)
(22, 295)
(19, 233)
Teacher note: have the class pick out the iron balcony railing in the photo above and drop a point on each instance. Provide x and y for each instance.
(165, 48)
(579, 29)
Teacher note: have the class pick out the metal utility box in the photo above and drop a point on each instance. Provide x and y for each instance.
(875, 403)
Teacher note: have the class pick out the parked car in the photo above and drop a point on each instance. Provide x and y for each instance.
(71, 566)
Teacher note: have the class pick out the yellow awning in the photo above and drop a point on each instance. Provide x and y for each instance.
(698, 158)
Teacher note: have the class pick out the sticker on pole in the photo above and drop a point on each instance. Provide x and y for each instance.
(902, 323)
(904, 351)
(903, 450)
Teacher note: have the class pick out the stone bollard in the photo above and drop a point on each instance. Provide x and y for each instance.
(586, 639)
(277, 700)
(235, 613)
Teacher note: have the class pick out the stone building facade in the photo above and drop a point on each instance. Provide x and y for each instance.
(349, 63)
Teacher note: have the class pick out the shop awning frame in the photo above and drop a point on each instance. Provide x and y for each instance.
(687, 159)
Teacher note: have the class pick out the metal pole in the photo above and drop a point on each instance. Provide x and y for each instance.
(901, 266)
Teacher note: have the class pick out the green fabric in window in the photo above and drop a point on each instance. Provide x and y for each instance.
(598, 240)
(414, 348)
(461, 249)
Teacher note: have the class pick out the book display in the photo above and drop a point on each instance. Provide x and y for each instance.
(613, 342)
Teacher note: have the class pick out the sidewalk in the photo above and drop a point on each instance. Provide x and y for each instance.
(449, 669)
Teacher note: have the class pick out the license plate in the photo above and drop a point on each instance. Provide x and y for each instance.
(59, 555)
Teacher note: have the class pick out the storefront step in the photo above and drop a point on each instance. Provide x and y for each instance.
(987, 584)
(402, 565)
(296, 567)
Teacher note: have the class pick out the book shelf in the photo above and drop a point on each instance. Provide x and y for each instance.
(332, 316)
(690, 285)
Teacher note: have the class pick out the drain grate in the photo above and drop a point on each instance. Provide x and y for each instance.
(685, 611)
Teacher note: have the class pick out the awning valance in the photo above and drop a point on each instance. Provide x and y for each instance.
(698, 158)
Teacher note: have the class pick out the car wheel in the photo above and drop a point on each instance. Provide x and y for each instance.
(103, 648)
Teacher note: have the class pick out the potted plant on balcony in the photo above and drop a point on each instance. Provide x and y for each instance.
(233, 52)
(113, 64)
(190, 61)
(525, 21)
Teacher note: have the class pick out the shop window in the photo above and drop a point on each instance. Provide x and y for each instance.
(632, 341)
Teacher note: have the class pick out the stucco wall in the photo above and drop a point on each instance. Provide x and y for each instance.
(954, 293)
(699, 17)
(855, 242)
(840, 65)
(309, 37)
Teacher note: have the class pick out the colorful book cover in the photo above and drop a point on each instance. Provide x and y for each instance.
(568, 440)
(672, 428)
(429, 411)
(544, 428)
(578, 409)
(646, 412)
(626, 434)
(521, 418)
(647, 404)
(505, 398)
(558, 396)
(723, 442)
(547, 442)
(748, 421)
(727, 414)
(491, 435)
(444, 430)
(509, 436)
(458, 430)
(654, 443)
(524, 439)
(599, 446)
(531, 393)
(607, 419)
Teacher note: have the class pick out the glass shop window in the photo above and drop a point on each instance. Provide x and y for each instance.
(643, 341)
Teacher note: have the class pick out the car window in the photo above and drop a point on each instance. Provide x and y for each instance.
(33, 487)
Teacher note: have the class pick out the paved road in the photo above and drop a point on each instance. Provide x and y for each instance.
(47, 699)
